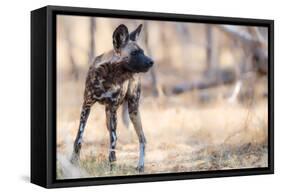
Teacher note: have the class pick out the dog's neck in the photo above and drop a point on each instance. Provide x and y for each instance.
(113, 72)
(110, 67)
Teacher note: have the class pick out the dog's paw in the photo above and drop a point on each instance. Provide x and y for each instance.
(140, 169)
(112, 166)
(74, 159)
(112, 157)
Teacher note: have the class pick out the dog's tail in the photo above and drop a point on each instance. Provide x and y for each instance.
(125, 115)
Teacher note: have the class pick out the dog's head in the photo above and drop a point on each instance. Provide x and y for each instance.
(126, 48)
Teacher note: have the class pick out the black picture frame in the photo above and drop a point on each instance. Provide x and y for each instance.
(43, 96)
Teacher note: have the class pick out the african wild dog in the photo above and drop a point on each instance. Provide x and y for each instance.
(113, 80)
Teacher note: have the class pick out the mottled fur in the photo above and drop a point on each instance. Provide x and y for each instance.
(113, 80)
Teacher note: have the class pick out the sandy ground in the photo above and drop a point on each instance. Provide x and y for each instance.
(182, 135)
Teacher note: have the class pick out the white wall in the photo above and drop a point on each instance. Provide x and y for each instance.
(15, 94)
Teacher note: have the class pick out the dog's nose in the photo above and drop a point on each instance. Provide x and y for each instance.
(150, 63)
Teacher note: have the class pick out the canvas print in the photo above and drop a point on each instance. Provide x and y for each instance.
(141, 97)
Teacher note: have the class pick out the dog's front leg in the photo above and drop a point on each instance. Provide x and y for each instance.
(111, 123)
(136, 120)
(133, 107)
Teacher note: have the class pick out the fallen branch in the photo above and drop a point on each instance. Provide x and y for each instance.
(225, 76)
(242, 36)
(253, 40)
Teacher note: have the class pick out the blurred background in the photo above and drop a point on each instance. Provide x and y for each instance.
(204, 103)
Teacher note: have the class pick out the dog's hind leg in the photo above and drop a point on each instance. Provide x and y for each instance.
(78, 141)
(111, 123)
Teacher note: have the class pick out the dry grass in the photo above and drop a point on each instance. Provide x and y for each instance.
(182, 135)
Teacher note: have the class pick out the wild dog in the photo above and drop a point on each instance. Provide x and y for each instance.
(113, 79)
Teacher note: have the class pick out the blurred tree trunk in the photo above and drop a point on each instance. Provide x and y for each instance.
(74, 72)
(164, 43)
(156, 90)
(183, 34)
(92, 40)
(211, 53)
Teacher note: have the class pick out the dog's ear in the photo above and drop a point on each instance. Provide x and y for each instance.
(135, 34)
(120, 37)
